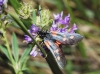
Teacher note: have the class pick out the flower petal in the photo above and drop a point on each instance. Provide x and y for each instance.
(1, 2)
(34, 28)
(34, 52)
(62, 30)
(73, 28)
(67, 19)
(54, 27)
(27, 38)
(58, 17)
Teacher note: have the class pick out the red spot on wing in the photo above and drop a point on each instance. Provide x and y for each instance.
(54, 33)
(47, 43)
(57, 43)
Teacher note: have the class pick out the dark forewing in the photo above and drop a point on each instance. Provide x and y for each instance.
(66, 38)
(56, 51)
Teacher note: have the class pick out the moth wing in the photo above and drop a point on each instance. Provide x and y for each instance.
(56, 51)
(66, 38)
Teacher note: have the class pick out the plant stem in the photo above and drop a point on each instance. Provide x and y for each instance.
(7, 45)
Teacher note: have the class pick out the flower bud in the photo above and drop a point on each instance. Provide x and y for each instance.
(25, 10)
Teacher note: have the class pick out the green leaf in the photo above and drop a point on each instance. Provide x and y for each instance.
(15, 47)
(25, 54)
(5, 51)
(34, 16)
(24, 69)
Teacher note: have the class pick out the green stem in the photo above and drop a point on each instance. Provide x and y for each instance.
(14, 64)
(7, 45)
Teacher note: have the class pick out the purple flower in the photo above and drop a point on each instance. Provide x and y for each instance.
(65, 21)
(62, 30)
(1, 9)
(34, 52)
(33, 32)
(58, 21)
(54, 27)
(34, 29)
(58, 17)
(27, 39)
(72, 30)
(1, 2)
(61, 25)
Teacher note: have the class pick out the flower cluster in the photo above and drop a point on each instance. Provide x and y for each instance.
(44, 19)
(25, 10)
(4, 20)
(3, 2)
(59, 24)
(33, 31)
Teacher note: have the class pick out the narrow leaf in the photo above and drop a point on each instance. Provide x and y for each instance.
(15, 47)
(25, 54)
(34, 16)
(4, 50)
(24, 69)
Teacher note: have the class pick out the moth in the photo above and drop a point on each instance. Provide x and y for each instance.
(54, 41)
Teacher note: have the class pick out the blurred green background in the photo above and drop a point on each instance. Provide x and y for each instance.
(83, 58)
